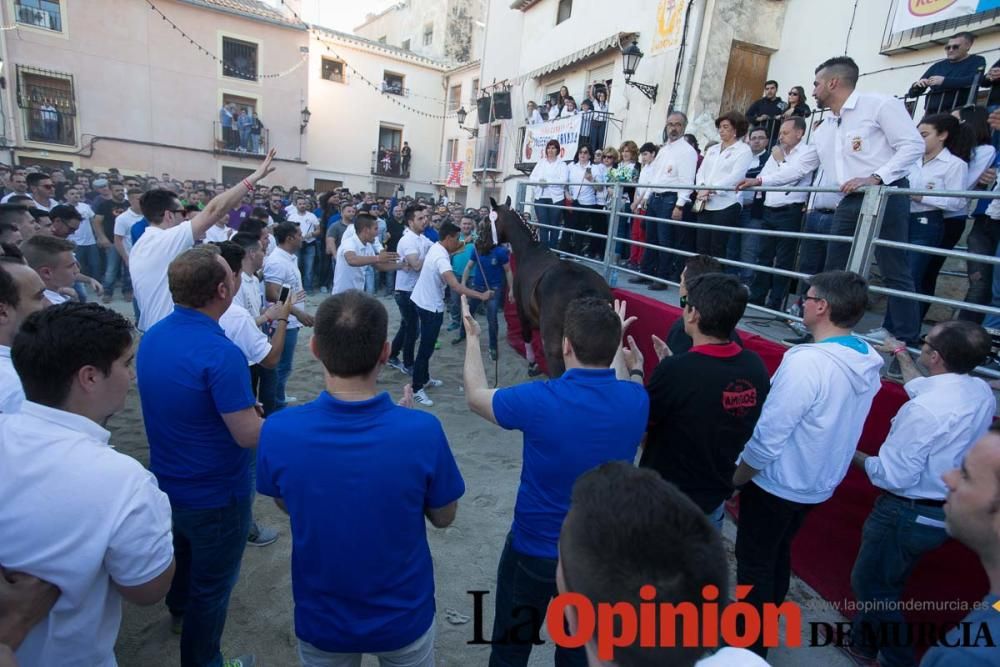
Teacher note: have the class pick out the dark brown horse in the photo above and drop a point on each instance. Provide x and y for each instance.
(544, 285)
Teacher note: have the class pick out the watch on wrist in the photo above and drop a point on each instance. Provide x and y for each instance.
(878, 179)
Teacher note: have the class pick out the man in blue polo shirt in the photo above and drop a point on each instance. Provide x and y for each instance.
(200, 417)
(357, 475)
(571, 424)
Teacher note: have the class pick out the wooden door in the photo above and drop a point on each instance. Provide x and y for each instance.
(745, 77)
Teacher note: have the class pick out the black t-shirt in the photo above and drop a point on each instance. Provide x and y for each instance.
(679, 342)
(703, 407)
(278, 216)
(110, 209)
(395, 228)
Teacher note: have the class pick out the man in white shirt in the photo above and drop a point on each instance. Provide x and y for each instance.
(807, 433)
(168, 235)
(356, 254)
(676, 164)
(869, 140)
(22, 293)
(308, 224)
(41, 190)
(123, 225)
(948, 411)
(411, 249)
(88, 253)
(428, 297)
(281, 270)
(89, 520)
(792, 162)
(18, 185)
(52, 259)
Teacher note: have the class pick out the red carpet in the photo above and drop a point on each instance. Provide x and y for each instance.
(826, 546)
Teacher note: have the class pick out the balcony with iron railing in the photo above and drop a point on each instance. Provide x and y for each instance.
(389, 162)
(39, 17)
(395, 88)
(231, 141)
(49, 124)
(595, 132)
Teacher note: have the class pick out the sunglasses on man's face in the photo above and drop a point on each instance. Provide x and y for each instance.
(952, 47)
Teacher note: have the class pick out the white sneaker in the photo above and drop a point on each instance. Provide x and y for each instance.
(431, 382)
(422, 398)
(878, 335)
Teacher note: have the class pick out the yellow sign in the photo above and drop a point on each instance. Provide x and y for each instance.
(669, 25)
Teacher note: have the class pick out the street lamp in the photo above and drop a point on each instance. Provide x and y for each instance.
(306, 115)
(461, 115)
(630, 63)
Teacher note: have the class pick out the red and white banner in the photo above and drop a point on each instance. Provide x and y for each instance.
(454, 174)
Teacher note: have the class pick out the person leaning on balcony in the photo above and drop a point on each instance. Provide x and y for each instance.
(948, 411)
(553, 173)
(949, 81)
(869, 140)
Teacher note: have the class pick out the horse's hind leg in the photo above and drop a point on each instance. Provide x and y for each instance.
(552, 335)
(527, 333)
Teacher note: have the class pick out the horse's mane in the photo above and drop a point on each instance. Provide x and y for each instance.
(529, 230)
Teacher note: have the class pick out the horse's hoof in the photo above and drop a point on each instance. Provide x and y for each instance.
(534, 370)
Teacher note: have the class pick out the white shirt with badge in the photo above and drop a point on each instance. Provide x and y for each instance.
(796, 169)
(86, 519)
(241, 328)
(148, 262)
(428, 293)
(942, 172)
(11, 391)
(722, 167)
(410, 244)
(345, 276)
(874, 134)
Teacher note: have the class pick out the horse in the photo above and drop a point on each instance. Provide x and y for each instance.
(544, 285)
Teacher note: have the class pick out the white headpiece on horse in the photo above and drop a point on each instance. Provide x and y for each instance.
(493, 227)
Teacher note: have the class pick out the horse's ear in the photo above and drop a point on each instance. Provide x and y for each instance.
(493, 203)
(508, 201)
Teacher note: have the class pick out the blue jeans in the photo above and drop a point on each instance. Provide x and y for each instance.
(113, 266)
(406, 338)
(925, 229)
(548, 216)
(493, 308)
(245, 138)
(89, 257)
(263, 382)
(524, 582)
(657, 262)
(307, 263)
(430, 327)
(369, 280)
(778, 252)
(749, 244)
(812, 253)
(284, 368)
(892, 542)
(902, 313)
(208, 546)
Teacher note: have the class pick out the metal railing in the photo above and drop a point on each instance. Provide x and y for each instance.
(389, 162)
(232, 140)
(860, 258)
(50, 19)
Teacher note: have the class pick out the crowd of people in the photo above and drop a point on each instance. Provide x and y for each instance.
(951, 149)
(624, 478)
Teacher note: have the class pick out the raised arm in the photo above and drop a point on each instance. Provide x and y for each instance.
(229, 199)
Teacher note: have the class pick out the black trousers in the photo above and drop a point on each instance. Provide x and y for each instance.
(767, 525)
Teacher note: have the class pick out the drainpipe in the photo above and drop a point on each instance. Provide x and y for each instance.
(692, 40)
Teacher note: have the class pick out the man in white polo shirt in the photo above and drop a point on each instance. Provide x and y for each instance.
(412, 248)
(356, 253)
(308, 224)
(89, 520)
(22, 293)
(168, 235)
(428, 297)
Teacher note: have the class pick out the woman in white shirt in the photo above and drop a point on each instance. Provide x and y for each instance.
(584, 202)
(938, 169)
(601, 100)
(568, 108)
(551, 171)
(534, 117)
(725, 164)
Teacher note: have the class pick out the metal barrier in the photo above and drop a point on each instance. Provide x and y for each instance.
(860, 257)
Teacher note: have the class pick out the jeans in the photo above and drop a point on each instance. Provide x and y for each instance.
(493, 308)
(208, 546)
(718, 516)
(113, 266)
(524, 581)
(406, 338)
(749, 244)
(254, 143)
(284, 368)
(903, 313)
(624, 224)
(89, 257)
(548, 216)
(245, 138)
(926, 229)
(263, 382)
(982, 240)
(713, 242)
(951, 231)
(779, 252)
(430, 326)
(418, 654)
(812, 253)
(657, 262)
(581, 218)
(764, 547)
(892, 542)
(307, 262)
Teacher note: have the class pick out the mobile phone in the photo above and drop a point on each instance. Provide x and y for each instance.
(588, 171)
(283, 295)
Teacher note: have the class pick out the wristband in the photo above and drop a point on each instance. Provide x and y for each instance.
(637, 372)
(281, 319)
(247, 185)
(901, 348)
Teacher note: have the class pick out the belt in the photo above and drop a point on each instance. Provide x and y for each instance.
(924, 502)
(827, 211)
(667, 193)
(782, 208)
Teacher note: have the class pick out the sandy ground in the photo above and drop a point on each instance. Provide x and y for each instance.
(465, 554)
